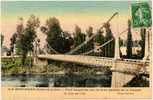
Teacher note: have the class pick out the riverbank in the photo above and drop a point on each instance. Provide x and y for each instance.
(21, 70)
(54, 68)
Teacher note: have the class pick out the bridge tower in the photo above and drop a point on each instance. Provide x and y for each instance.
(36, 60)
(147, 45)
(119, 79)
(117, 48)
(35, 53)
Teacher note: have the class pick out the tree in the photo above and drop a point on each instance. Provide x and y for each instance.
(121, 43)
(54, 38)
(79, 38)
(129, 41)
(89, 31)
(57, 39)
(109, 48)
(13, 42)
(2, 39)
(142, 42)
(25, 41)
(90, 44)
(67, 42)
(19, 30)
(100, 40)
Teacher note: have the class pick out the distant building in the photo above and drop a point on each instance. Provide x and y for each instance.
(4, 51)
(135, 50)
(123, 50)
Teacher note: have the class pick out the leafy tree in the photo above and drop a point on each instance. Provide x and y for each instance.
(129, 41)
(100, 40)
(109, 48)
(79, 38)
(13, 42)
(90, 44)
(89, 31)
(57, 39)
(2, 39)
(54, 38)
(20, 27)
(25, 41)
(121, 42)
(142, 42)
(67, 42)
(19, 30)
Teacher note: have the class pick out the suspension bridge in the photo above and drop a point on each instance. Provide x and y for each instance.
(123, 70)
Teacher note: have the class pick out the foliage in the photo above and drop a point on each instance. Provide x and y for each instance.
(57, 39)
(79, 38)
(142, 42)
(109, 48)
(100, 39)
(2, 39)
(25, 41)
(14, 66)
(54, 33)
(67, 42)
(129, 41)
(13, 42)
(90, 44)
(121, 42)
(19, 30)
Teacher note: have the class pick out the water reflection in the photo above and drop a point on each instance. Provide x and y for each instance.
(68, 80)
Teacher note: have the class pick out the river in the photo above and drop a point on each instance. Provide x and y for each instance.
(56, 80)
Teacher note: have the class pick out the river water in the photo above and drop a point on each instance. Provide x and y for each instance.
(57, 80)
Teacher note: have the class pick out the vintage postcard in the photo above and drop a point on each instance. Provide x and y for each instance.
(54, 50)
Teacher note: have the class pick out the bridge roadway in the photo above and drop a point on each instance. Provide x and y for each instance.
(122, 65)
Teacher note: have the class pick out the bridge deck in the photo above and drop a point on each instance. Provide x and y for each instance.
(89, 60)
(129, 65)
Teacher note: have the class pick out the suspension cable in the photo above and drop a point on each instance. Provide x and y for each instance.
(90, 38)
(88, 52)
(53, 49)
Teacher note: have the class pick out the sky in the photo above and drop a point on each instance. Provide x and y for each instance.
(69, 13)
